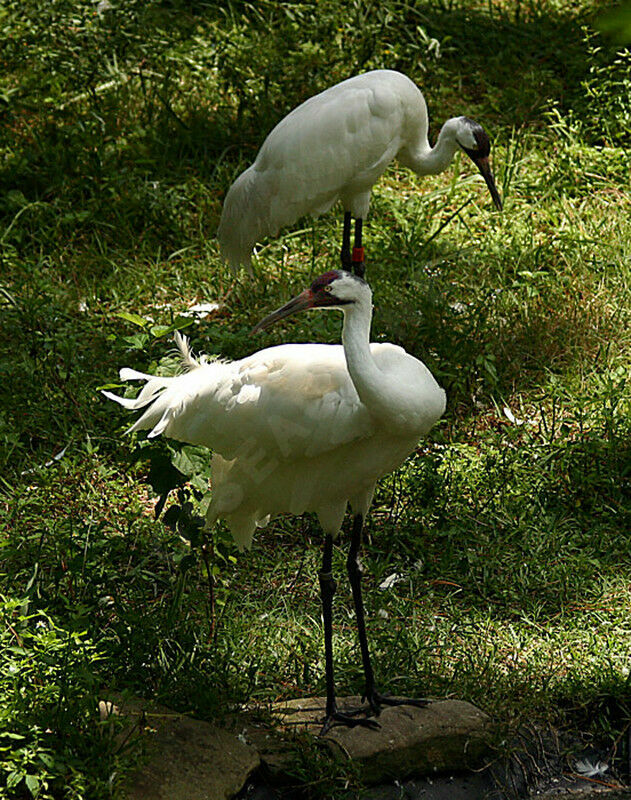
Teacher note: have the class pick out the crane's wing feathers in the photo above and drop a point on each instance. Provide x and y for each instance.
(336, 143)
(332, 147)
(286, 402)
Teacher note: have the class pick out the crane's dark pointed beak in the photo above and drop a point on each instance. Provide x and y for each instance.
(304, 300)
(485, 170)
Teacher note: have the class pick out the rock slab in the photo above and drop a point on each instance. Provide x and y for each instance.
(446, 736)
(187, 759)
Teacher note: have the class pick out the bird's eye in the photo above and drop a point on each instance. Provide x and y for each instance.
(327, 288)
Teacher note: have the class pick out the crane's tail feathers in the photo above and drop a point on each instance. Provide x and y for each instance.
(147, 397)
(157, 416)
(125, 402)
(154, 386)
(189, 361)
(245, 219)
(128, 374)
(182, 343)
(236, 260)
(164, 399)
(169, 415)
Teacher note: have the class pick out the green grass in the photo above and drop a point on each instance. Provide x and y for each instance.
(509, 530)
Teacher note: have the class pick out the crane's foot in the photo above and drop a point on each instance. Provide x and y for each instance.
(376, 700)
(349, 719)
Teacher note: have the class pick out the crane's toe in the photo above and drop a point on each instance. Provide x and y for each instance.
(349, 719)
(376, 700)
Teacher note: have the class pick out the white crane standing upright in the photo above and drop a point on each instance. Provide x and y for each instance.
(301, 427)
(335, 146)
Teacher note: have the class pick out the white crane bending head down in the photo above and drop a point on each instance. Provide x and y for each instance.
(335, 146)
(301, 427)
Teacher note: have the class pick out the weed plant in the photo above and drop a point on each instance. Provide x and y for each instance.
(505, 536)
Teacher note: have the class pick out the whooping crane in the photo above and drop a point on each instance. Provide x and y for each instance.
(301, 427)
(335, 146)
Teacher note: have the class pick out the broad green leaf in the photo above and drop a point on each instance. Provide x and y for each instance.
(33, 784)
(135, 319)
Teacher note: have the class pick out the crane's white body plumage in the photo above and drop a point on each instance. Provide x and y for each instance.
(334, 146)
(298, 427)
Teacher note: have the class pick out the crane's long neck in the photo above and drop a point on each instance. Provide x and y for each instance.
(370, 382)
(426, 160)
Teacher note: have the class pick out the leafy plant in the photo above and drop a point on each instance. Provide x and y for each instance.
(48, 725)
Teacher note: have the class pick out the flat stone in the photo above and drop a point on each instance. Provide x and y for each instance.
(186, 759)
(446, 736)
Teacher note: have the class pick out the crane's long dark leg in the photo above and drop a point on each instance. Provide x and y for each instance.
(355, 573)
(358, 260)
(345, 253)
(327, 590)
(353, 564)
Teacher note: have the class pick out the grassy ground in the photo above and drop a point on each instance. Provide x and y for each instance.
(508, 528)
